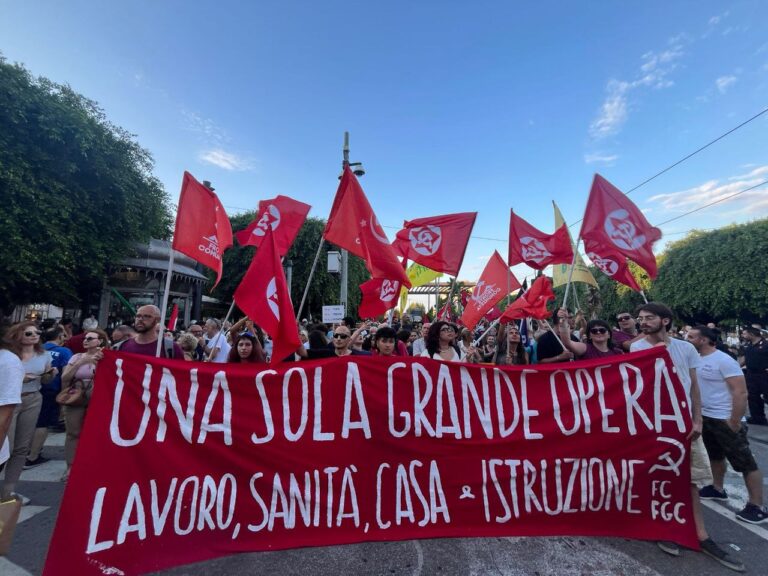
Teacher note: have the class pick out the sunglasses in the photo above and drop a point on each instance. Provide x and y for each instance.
(623, 318)
(341, 336)
(447, 329)
(89, 338)
(32, 333)
(598, 331)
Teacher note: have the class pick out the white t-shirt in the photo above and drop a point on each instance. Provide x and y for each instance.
(419, 346)
(11, 380)
(684, 357)
(716, 399)
(454, 357)
(219, 341)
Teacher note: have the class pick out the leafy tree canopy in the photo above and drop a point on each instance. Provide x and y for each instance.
(76, 191)
(716, 276)
(324, 288)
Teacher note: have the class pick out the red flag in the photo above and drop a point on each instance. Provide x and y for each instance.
(613, 223)
(379, 296)
(202, 230)
(614, 265)
(437, 242)
(532, 304)
(446, 313)
(533, 247)
(263, 295)
(173, 318)
(353, 226)
(490, 289)
(283, 215)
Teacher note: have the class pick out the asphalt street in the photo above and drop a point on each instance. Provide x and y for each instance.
(461, 556)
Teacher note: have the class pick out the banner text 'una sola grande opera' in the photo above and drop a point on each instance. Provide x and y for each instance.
(183, 462)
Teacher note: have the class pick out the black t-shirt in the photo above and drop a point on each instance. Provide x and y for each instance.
(547, 346)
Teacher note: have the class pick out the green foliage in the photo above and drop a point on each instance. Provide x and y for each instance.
(76, 192)
(718, 276)
(325, 287)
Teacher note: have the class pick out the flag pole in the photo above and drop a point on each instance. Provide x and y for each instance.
(645, 298)
(479, 338)
(570, 272)
(218, 336)
(309, 280)
(549, 327)
(164, 305)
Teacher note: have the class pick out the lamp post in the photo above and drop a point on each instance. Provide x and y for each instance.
(359, 171)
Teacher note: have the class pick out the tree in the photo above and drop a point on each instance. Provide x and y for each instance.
(325, 287)
(718, 276)
(77, 192)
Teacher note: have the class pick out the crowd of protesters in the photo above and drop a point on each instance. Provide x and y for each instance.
(47, 375)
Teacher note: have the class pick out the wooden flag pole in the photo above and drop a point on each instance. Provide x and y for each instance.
(642, 293)
(166, 294)
(549, 327)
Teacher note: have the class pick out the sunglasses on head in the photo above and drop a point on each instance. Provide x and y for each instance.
(597, 330)
(32, 333)
(623, 318)
(341, 336)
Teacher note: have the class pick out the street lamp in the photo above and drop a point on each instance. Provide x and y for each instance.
(357, 170)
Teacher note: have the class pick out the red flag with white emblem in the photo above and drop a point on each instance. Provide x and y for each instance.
(615, 265)
(202, 230)
(612, 223)
(437, 242)
(283, 215)
(532, 304)
(379, 296)
(533, 247)
(489, 290)
(263, 295)
(353, 226)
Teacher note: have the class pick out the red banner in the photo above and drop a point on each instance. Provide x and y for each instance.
(181, 462)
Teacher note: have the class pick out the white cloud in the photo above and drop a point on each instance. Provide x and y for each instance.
(599, 157)
(748, 203)
(209, 131)
(724, 82)
(225, 160)
(715, 20)
(654, 72)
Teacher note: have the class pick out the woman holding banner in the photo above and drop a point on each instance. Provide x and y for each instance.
(598, 343)
(78, 375)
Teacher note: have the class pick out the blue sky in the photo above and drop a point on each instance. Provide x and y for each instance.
(451, 106)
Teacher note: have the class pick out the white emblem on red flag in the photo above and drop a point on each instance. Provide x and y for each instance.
(622, 230)
(212, 247)
(272, 298)
(607, 265)
(534, 250)
(426, 240)
(271, 217)
(389, 289)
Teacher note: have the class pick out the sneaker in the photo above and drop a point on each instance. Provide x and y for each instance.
(757, 422)
(752, 514)
(710, 548)
(669, 547)
(712, 493)
(23, 499)
(36, 462)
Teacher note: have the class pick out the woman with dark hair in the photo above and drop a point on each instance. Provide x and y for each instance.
(247, 349)
(441, 345)
(597, 344)
(24, 340)
(386, 342)
(510, 350)
(79, 372)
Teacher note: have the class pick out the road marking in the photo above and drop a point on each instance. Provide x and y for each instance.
(728, 513)
(29, 511)
(8, 568)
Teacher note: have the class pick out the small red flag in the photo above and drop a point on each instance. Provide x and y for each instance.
(173, 318)
(379, 296)
(614, 265)
(489, 290)
(202, 230)
(437, 242)
(532, 304)
(613, 223)
(353, 226)
(533, 247)
(283, 215)
(446, 313)
(263, 295)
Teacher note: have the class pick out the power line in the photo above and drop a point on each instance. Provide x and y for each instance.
(712, 203)
(692, 154)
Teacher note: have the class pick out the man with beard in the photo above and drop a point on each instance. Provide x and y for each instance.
(655, 320)
(146, 325)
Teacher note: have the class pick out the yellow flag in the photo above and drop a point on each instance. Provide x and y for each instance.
(560, 271)
(418, 275)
